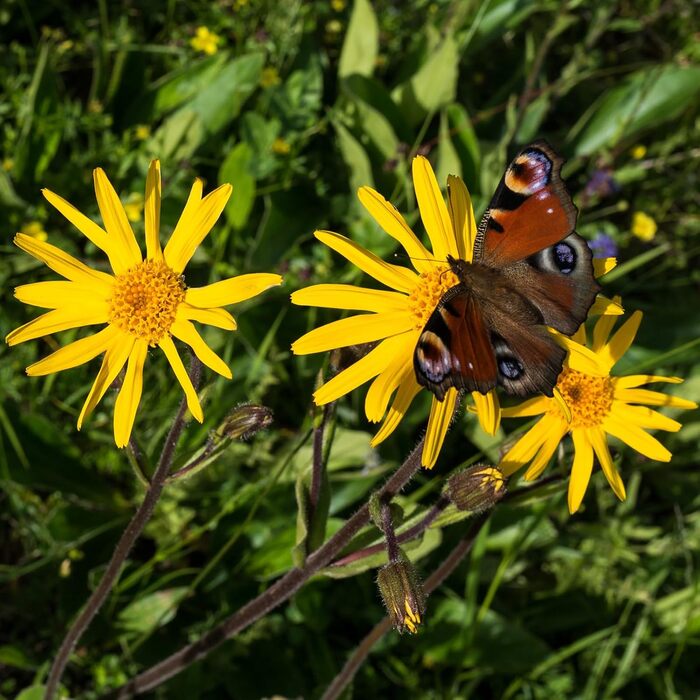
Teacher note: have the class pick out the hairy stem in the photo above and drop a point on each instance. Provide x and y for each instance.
(126, 542)
(276, 594)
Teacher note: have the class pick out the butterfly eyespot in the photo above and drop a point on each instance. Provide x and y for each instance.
(564, 258)
(510, 368)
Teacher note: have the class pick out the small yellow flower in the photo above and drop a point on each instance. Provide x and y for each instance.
(338, 5)
(281, 147)
(142, 132)
(205, 41)
(65, 46)
(134, 206)
(269, 77)
(144, 303)
(402, 593)
(638, 152)
(95, 107)
(590, 404)
(34, 229)
(8, 164)
(335, 26)
(643, 226)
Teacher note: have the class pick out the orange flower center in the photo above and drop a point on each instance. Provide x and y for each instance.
(589, 398)
(428, 292)
(145, 300)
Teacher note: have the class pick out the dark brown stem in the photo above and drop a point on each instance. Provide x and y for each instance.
(362, 651)
(392, 546)
(276, 594)
(126, 542)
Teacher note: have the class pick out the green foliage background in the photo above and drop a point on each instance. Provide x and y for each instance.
(302, 103)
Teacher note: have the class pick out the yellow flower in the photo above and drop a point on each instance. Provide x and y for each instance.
(589, 404)
(269, 77)
(34, 229)
(143, 304)
(338, 5)
(142, 132)
(205, 41)
(134, 206)
(643, 226)
(638, 152)
(335, 26)
(397, 317)
(8, 164)
(281, 147)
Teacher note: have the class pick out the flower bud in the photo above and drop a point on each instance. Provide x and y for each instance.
(476, 488)
(402, 593)
(376, 511)
(243, 422)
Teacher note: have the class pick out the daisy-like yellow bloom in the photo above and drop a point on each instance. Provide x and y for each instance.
(643, 226)
(590, 404)
(144, 303)
(205, 41)
(397, 317)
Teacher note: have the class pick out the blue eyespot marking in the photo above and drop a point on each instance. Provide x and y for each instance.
(564, 258)
(510, 368)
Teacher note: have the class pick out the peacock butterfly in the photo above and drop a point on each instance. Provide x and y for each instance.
(529, 270)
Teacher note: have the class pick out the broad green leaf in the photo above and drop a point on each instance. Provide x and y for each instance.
(152, 611)
(361, 43)
(466, 144)
(355, 158)
(15, 656)
(495, 18)
(448, 162)
(33, 692)
(648, 98)
(236, 169)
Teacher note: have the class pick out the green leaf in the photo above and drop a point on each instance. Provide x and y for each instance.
(236, 169)
(152, 611)
(448, 162)
(648, 98)
(33, 692)
(355, 157)
(466, 144)
(361, 43)
(434, 85)
(15, 657)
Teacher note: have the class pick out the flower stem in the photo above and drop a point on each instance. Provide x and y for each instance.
(363, 649)
(126, 542)
(275, 595)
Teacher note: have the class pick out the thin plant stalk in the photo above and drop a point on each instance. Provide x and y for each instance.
(126, 542)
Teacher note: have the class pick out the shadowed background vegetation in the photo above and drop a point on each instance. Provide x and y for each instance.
(297, 104)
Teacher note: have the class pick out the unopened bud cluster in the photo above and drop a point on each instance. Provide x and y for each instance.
(244, 421)
(477, 488)
(402, 593)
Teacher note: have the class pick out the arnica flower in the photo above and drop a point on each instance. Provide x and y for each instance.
(397, 317)
(590, 404)
(643, 226)
(144, 303)
(205, 41)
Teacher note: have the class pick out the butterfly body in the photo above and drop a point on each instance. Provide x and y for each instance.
(529, 270)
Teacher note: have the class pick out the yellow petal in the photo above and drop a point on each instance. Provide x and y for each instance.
(488, 411)
(561, 402)
(60, 320)
(645, 417)
(363, 328)
(600, 446)
(636, 438)
(89, 229)
(544, 454)
(129, 396)
(66, 265)
(402, 401)
(581, 469)
(386, 215)
(634, 380)
(395, 276)
(152, 212)
(462, 217)
(115, 221)
(618, 345)
(232, 290)
(366, 368)
(346, 296)
(653, 398)
(528, 445)
(395, 374)
(580, 335)
(168, 347)
(186, 238)
(187, 333)
(220, 318)
(184, 223)
(76, 353)
(441, 414)
(530, 407)
(604, 306)
(433, 210)
(580, 357)
(113, 361)
(601, 266)
(58, 293)
(602, 329)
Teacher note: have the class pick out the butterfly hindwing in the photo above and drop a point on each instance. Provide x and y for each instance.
(454, 349)
(531, 209)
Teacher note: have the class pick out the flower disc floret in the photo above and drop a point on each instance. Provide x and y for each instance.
(428, 292)
(589, 398)
(145, 300)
